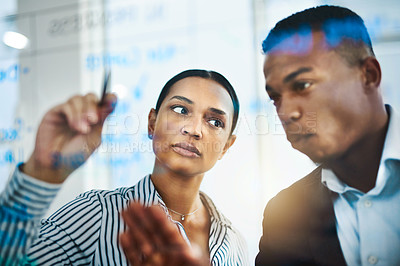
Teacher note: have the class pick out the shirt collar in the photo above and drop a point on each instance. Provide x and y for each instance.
(216, 215)
(333, 183)
(153, 198)
(391, 151)
(146, 193)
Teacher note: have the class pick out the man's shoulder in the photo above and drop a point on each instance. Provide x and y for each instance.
(296, 198)
(297, 188)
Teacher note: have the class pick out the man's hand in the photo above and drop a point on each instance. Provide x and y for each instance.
(152, 239)
(67, 136)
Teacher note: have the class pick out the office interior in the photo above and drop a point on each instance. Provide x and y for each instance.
(51, 50)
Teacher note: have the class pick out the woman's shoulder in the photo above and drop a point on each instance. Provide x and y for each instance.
(229, 244)
(124, 193)
(219, 221)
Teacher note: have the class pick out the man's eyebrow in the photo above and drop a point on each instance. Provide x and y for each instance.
(294, 74)
(217, 111)
(181, 98)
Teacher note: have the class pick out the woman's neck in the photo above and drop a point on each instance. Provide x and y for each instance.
(179, 192)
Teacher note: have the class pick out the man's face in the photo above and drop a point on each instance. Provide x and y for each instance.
(319, 98)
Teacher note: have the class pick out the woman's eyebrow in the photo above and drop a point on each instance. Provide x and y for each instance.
(181, 98)
(184, 99)
(217, 111)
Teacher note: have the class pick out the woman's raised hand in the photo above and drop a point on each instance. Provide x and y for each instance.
(67, 135)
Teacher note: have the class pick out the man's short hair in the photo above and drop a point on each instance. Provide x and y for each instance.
(344, 30)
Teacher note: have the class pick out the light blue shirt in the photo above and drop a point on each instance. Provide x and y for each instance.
(368, 224)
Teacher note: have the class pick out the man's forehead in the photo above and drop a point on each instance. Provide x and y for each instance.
(296, 49)
(282, 63)
(300, 43)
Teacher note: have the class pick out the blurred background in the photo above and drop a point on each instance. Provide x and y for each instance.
(51, 50)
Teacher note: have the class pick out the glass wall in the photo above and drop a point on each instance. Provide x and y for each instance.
(145, 43)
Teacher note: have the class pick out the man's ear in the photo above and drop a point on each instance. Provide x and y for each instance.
(372, 74)
(151, 123)
(228, 144)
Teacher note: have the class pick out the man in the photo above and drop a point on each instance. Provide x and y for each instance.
(320, 64)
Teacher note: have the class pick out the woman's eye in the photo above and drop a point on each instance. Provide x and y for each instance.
(216, 123)
(179, 110)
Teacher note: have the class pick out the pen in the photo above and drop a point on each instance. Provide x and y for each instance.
(106, 81)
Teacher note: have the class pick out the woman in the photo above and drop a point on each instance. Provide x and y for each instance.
(191, 128)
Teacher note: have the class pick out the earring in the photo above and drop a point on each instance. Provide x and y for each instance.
(150, 136)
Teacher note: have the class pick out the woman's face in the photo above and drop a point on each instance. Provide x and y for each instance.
(192, 128)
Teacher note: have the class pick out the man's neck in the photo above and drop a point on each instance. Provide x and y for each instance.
(359, 167)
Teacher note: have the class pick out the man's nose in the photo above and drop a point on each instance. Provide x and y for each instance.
(289, 111)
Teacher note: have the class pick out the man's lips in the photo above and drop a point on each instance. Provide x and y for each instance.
(297, 137)
(186, 149)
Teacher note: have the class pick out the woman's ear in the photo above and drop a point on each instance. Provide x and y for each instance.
(372, 74)
(228, 144)
(151, 123)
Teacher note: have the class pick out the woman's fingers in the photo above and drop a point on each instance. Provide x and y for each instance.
(130, 250)
(84, 114)
(141, 240)
(152, 239)
(138, 233)
(109, 105)
(167, 231)
(91, 108)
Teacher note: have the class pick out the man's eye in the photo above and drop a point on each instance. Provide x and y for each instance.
(216, 123)
(179, 110)
(300, 86)
(275, 99)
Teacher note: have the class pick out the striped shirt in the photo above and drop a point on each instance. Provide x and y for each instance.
(86, 230)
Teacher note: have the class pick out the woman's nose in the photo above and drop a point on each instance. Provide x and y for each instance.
(192, 128)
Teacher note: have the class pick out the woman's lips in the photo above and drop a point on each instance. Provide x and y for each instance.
(186, 149)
